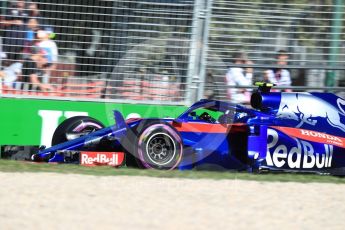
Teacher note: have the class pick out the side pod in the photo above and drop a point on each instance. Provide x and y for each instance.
(257, 145)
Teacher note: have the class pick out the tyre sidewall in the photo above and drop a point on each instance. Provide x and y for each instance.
(142, 141)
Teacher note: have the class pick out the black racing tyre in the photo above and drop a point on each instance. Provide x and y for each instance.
(157, 145)
(75, 126)
(338, 172)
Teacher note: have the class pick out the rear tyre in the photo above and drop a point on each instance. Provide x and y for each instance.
(339, 172)
(75, 127)
(157, 145)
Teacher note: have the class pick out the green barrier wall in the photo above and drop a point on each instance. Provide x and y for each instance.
(33, 121)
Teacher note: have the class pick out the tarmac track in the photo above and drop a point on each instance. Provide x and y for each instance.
(68, 201)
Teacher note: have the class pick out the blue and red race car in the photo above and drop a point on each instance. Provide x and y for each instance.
(282, 132)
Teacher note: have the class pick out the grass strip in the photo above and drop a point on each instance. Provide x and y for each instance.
(21, 166)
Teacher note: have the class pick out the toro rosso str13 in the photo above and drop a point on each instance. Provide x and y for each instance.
(282, 132)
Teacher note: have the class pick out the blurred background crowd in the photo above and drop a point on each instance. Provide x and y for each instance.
(172, 51)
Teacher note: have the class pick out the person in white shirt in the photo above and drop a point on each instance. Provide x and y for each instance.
(44, 42)
(48, 45)
(238, 76)
(10, 73)
(279, 76)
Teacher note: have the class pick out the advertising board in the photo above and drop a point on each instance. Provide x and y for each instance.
(33, 121)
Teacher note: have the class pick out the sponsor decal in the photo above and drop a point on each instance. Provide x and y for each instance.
(300, 156)
(208, 128)
(101, 158)
(306, 109)
(314, 136)
(201, 128)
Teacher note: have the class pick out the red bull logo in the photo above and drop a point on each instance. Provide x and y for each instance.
(101, 158)
(305, 109)
(301, 156)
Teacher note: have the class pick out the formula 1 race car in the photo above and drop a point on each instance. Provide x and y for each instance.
(302, 132)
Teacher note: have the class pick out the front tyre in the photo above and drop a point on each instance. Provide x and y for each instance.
(159, 147)
(75, 127)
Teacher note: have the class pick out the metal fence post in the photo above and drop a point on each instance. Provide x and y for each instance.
(335, 34)
(3, 6)
(203, 59)
(194, 53)
(198, 50)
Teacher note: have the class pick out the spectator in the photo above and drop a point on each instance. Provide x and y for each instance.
(35, 22)
(238, 76)
(11, 73)
(211, 89)
(32, 27)
(33, 71)
(50, 47)
(279, 76)
(44, 42)
(14, 26)
(34, 12)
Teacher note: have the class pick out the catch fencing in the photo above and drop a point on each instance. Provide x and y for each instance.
(312, 34)
(171, 51)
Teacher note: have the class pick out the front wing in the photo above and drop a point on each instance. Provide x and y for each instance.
(86, 158)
